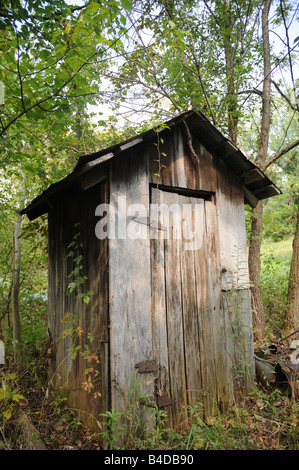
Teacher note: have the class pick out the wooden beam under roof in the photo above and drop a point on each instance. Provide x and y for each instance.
(249, 197)
(266, 191)
(252, 176)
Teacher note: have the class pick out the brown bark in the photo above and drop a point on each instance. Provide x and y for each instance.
(292, 310)
(16, 323)
(15, 291)
(257, 219)
(258, 316)
(266, 104)
(231, 88)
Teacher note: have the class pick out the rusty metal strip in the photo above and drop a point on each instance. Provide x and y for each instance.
(147, 366)
(162, 402)
(159, 402)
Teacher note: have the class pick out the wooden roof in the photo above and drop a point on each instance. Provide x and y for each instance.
(256, 184)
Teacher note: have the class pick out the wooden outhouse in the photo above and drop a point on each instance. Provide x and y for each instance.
(154, 227)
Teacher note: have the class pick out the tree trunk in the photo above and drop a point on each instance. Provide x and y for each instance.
(15, 291)
(16, 324)
(260, 161)
(292, 310)
(29, 433)
(232, 106)
(258, 319)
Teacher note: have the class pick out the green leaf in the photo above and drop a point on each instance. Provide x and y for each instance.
(56, 35)
(17, 397)
(92, 7)
(4, 394)
(126, 4)
(7, 414)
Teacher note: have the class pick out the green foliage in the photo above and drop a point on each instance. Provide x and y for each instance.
(51, 60)
(279, 218)
(72, 423)
(185, 58)
(73, 321)
(9, 397)
(75, 253)
(67, 38)
(33, 279)
(114, 429)
(275, 268)
(266, 420)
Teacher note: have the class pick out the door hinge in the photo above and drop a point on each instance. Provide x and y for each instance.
(163, 401)
(147, 366)
(159, 402)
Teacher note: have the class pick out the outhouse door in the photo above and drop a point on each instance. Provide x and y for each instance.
(184, 257)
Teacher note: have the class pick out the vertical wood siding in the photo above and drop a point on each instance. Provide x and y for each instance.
(67, 373)
(235, 295)
(188, 339)
(179, 170)
(207, 288)
(129, 283)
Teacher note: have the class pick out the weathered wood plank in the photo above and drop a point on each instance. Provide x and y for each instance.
(205, 170)
(174, 313)
(161, 167)
(56, 294)
(232, 229)
(129, 280)
(235, 303)
(191, 290)
(95, 314)
(191, 241)
(252, 176)
(69, 372)
(178, 167)
(180, 175)
(218, 334)
(159, 315)
(93, 176)
(266, 192)
(250, 198)
(203, 259)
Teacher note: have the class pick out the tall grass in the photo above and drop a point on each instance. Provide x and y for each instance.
(275, 268)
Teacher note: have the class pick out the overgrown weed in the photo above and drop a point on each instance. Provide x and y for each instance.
(267, 419)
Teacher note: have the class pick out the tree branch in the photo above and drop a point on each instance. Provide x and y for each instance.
(56, 93)
(289, 48)
(251, 92)
(18, 67)
(294, 107)
(197, 65)
(153, 72)
(280, 153)
(266, 98)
